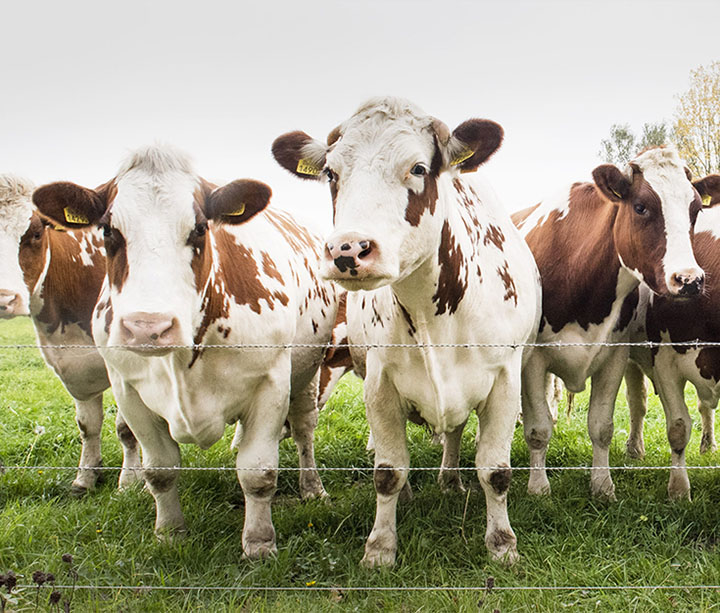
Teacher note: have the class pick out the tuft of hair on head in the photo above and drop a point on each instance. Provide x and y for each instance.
(391, 106)
(662, 155)
(157, 159)
(14, 187)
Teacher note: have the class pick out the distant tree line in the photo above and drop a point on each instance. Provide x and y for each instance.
(695, 129)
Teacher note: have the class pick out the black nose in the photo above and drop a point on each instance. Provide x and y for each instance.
(691, 289)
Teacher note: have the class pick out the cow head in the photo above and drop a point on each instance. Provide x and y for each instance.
(158, 219)
(384, 167)
(657, 209)
(15, 214)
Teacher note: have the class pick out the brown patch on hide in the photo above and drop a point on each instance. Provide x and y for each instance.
(125, 434)
(509, 283)
(494, 235)
(452, 281)
(627, 311)
(424, 201)
(386, 479)
(500, 480)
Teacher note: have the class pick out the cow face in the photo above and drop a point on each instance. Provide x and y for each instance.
(157, 217)
(15, 214)
(384, 166)
(657, 208)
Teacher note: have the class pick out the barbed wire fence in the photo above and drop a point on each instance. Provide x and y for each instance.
(489, 584)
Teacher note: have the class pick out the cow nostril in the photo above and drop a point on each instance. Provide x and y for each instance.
(366, 247)
(154, 336)
(345, 247)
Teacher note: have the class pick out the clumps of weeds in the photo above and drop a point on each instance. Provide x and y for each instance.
(8, 581)
(57, 602)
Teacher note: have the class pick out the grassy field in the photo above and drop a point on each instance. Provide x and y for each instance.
(567, 540)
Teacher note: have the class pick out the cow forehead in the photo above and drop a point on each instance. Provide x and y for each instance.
(15, 214)
(663, 169)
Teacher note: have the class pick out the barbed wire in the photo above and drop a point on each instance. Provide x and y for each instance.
(695, 344)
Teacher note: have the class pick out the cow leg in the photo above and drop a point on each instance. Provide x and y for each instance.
(553, 394)
(706, 406)
(671, 388)
(130, 472)
(387, 423)
(89, 418)
(537, 422)
(303, 418)
(159, 453)
(449, 477)
(637, 404)
(605, 385)
(257, 464)
(496, 424)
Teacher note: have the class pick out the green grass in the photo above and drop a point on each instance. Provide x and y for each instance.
(568, 539)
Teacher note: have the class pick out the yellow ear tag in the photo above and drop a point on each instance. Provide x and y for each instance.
(74, 216)
(462, 156)
(238, 211)
(614, 192)
(308, 167)
(706, 200)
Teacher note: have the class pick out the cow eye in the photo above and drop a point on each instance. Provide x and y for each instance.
(107, 231)
(330, 174)
(200, 229)
(418, 170)
(639, 208)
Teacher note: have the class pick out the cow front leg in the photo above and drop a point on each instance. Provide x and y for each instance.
(257, 464)
(537, 422)
(496, 425)
(449, 477)
(131, 467)
(605, 386)
(160, 457)
(636, 392)
(303, 418)
(671, 388)
(707, 415)
(89, 418)
(387, 423)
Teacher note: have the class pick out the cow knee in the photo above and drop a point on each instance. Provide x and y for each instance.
(678, 435)
(538, 438)
(388, 480)
(499, 479)
(259, 483)
(126, 436)
(601, 434)
(160, 481)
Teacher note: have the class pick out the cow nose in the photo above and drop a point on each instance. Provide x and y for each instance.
(688, 283)
(10, 304)
(346, 254)
(154, 329)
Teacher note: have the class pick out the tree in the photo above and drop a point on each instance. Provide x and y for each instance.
(653, 135)
(620, 147)
(697, 121)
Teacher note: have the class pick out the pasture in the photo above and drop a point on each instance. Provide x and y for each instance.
(568, 541)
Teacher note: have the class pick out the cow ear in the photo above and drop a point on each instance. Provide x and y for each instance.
(473, 142)
(613, 184)
(709, 189)
(237, 202)
(71, 205)
(300, 153)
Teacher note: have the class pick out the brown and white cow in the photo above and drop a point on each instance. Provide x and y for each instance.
(193, 270)
(55, 277)
(661, 319)
(594, 243)
(429, 259)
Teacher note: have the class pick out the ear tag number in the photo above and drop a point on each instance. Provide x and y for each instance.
(462, 156)
(237, 212)
(706, 200)
(74, 217)
(308, 167)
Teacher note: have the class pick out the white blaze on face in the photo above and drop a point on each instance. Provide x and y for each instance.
(379, 147)
(153, 211)
(663, 169)
(15, 213)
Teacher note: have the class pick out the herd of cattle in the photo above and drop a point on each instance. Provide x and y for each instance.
(448, 299)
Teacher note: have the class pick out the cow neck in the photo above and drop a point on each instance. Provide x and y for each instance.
(582, 276)
(67, 296)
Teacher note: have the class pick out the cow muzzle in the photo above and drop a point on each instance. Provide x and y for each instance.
(353, 260)
(687, 283)
(12, 304)
(150, 333)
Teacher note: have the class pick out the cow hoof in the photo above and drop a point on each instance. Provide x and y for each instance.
(78, 491)
(502, 547)
(128, 478)
(538, 487)
(260, 550)
(377, 558)
(450, 481)
(312, 488)
(604, 490)
(707, 443)
(406, 493)
(635, 449)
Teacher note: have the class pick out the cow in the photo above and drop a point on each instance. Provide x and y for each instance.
(193, 271)
(428, 258)
(55, 277)
(664, 320)
(594, 244)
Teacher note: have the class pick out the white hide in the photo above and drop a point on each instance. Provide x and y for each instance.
(15, 213)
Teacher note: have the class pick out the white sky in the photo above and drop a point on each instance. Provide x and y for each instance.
(84, 82)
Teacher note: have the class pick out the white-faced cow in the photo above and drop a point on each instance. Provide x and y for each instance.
(192, 270)
(55, 277)
(662, 319)
(429, 259)
(594, 243)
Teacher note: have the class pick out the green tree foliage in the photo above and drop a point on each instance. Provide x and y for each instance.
(622, 145)
(697, 121)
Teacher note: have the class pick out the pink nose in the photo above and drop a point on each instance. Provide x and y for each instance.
(350, 253)
(150, 329)
(11, 304)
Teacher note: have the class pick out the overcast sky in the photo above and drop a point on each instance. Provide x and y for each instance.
(85, 82)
